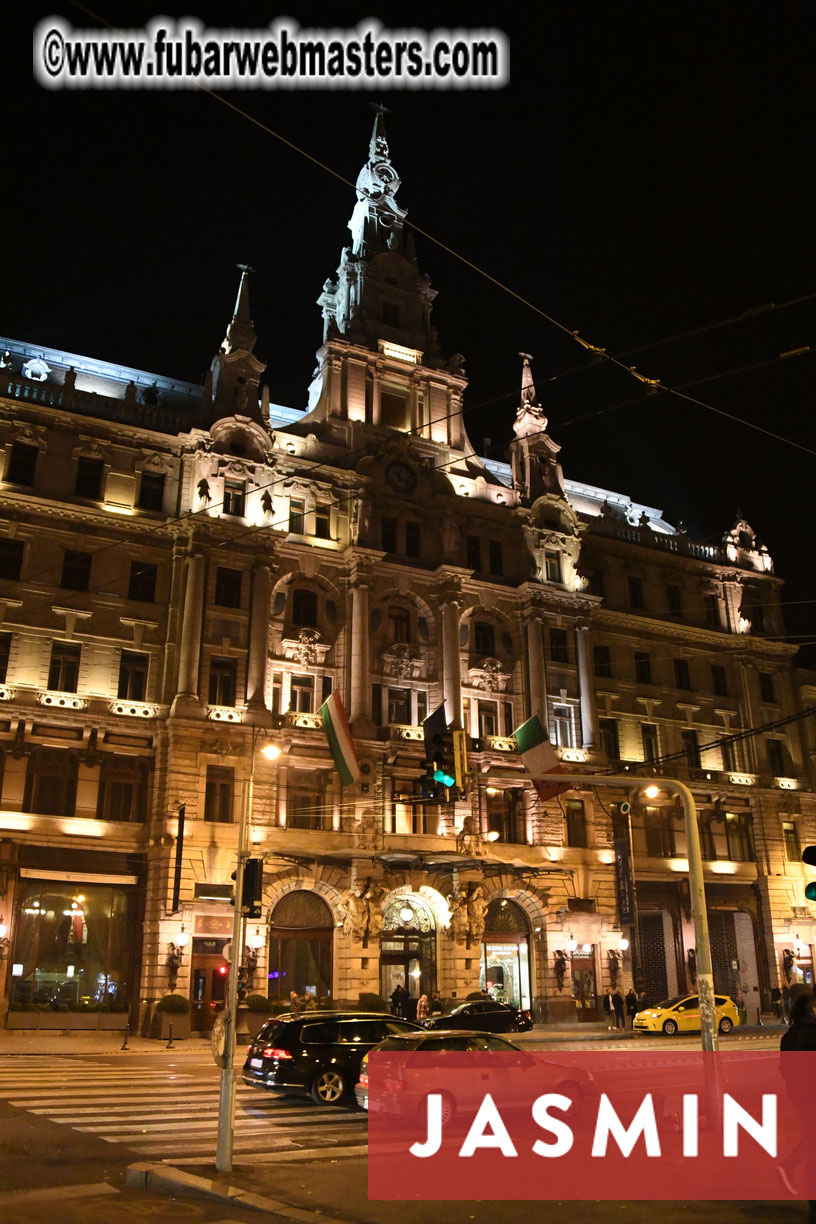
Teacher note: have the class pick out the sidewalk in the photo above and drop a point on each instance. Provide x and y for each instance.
(78, 1043)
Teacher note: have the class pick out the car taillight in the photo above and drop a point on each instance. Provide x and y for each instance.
(274, 1052)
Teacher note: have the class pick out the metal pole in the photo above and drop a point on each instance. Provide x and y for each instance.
(705, 975)
(637, 968)
(226, 1100)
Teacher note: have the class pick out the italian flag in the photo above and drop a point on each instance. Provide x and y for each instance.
(539, 756)
(335, 724)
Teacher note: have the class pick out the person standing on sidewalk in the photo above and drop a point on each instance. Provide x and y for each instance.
(617, 1003)
(631, 1005)
(609, 1008)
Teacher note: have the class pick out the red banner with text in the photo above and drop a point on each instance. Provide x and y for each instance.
(627, 1125)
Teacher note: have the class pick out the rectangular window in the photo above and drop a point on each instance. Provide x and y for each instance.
(484, 638)
(63, 670)
(643, 667)
(494, 552)
(596, 583)
(576, 823)
(322, 525)
(277, 690)
(5, 649)
(376, 704)
(392, 410)
(304, 607)
(648, 737)
(222, 682)
(76, 571)
(22, 461)
(11, 558)
(682, 676)
(610, 742)
(659, 834)
(739, 834)
(399, 624)
(121, 794)
(790, 838)
(635, 592)
(473, 550)
(766, 687)
(562, 726)
(422, 707)
(234, 495)
(602, 660)
(326, 688)
(552, 566)
(306, 800)
(388, 534)
(757, 617)
(674, 601)
(488, 718)
(399, 706)
(719, 681)
(302, 698)
(413, 539)
(228, 587)
(777, 757)
(218, 794)
(509, 720)
(88, 477)
(559, 646)
(711, 607)
(151, 491)
(296, 516)
(133, 670)
(691, 748)
(142, 581)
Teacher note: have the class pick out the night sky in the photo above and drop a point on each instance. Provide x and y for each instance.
(647, 172)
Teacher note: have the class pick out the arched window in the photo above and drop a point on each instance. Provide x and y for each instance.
(51, 782)
(506, 952)
(304, 607)
(300, 946)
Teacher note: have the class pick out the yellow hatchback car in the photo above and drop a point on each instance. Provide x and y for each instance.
(682, 1015)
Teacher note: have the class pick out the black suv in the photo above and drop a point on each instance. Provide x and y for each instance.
(318, 1054)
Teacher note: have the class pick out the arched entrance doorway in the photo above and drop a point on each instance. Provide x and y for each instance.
(408, 948)
(300, 946)
(505, 969)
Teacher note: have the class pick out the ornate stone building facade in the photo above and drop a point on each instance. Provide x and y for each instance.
(188, 571)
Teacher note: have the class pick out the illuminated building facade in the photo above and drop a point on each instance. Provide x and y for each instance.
(186, 571)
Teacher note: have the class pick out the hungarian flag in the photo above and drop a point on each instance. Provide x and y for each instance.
(539, 756)
(335, 724)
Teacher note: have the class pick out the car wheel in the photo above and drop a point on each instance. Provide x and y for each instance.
(448, 1108)
(328, 1088)
(670, 1027)
(726, 1025)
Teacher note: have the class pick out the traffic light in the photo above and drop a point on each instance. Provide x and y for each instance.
(428, 785)
(809, 857)
(252, 892)
(444, 764)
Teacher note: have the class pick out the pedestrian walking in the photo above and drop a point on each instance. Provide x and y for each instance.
(436, 1006)
(422, 1008)
(609, 1008)
(399, 997)
(294, 1003)
(800, 1036)
(631, 1005)
(617, 1003)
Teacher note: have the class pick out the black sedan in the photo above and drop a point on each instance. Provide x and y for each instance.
(485, 1016)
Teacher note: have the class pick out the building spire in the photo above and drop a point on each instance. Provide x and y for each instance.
(376, 223)
(241, 331)
(528, 391)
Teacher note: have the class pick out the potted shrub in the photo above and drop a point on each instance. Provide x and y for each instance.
(259, 1010)
(171, 1009)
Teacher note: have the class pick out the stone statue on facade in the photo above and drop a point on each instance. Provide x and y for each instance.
(368, 831)
(459, 918)
(476, 910)
(354, 911)
(375, 895)
(469, 838)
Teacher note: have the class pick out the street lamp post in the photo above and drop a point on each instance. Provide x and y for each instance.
(705, 974)
(226, 1100)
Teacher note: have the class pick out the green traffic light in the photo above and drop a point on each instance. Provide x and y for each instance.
(810, 892)
(444, 778)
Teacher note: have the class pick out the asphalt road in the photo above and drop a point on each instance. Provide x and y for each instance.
(71, 1123)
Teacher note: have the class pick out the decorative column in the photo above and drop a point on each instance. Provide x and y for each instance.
(360, 703)
(187, 699)
(535, 661)
(589, 715)
(259, 636)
